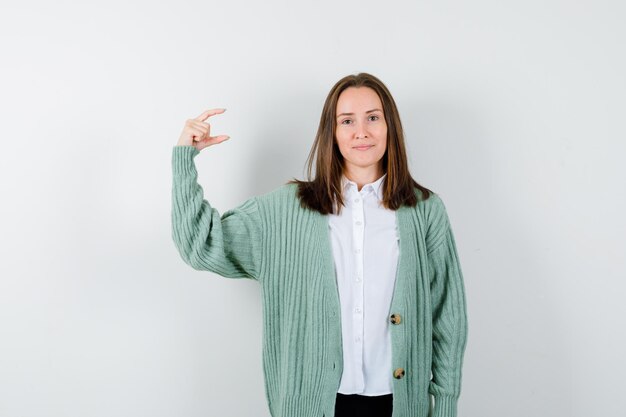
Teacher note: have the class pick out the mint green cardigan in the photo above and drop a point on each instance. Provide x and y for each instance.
(270, 238)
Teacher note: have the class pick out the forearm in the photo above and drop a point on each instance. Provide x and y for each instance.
(226, 245)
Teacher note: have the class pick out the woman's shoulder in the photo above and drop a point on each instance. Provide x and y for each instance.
(282, 195)
(432, 208)
(280, 191)
(428, 200)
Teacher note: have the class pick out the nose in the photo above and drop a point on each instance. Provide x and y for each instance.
(361, 130)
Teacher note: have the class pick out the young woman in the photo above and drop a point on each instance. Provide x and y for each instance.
(364, 306)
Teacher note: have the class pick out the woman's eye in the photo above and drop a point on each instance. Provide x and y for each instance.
(343, 122)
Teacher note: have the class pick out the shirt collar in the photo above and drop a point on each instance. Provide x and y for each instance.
(376, 186)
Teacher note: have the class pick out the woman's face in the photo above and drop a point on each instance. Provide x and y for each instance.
(361, 129)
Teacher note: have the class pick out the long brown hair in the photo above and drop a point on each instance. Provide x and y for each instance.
(322, 192)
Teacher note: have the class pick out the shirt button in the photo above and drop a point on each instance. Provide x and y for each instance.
(358, 339)
(358, 223)
(356, 200)
(398, 373)
(358, 279)
(358, 310)
(357, 250)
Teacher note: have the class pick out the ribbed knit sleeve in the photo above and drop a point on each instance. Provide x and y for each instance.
(449, 314)
(228, 245)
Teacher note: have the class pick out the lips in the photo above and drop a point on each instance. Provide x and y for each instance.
(363, 148)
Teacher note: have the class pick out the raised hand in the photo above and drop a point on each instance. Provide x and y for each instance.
(197, 132)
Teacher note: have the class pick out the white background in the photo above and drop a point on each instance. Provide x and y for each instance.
(513, 111)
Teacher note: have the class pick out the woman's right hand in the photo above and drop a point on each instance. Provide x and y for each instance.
(196, 132)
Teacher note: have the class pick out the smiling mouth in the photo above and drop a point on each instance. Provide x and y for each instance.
(362, 148)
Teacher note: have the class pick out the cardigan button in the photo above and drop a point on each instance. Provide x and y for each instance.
(398, 373)
(396, 318)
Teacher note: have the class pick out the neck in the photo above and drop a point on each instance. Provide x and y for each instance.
(363, 176)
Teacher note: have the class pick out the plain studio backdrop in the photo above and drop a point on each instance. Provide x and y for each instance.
(513, 113)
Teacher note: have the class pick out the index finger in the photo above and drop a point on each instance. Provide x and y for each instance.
(208, 113)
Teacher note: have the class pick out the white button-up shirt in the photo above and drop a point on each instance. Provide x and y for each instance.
(365, 248)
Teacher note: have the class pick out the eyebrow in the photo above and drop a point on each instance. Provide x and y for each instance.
(350, 114)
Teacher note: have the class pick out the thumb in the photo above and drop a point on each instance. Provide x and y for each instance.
(212, 140)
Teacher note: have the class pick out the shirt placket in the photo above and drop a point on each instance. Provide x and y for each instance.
(358, 228)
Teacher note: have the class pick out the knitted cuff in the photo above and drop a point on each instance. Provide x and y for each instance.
(182, 159)
(445, 406)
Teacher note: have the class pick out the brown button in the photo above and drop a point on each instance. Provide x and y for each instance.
(398, 373)
(395, 318)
